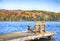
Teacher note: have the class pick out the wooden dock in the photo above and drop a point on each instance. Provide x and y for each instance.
(24, 36)
(38, 32)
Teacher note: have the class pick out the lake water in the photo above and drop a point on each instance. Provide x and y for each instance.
(15, 26)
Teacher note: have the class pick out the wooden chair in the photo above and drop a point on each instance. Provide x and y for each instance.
(29, 29)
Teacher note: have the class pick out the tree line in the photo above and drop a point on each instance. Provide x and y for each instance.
(33, 15)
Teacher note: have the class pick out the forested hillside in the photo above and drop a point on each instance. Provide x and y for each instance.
(26, 15)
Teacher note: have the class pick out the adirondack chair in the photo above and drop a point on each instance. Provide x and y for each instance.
(30, 30)
(38, 28)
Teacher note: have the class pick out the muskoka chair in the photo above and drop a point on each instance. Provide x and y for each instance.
(30, 30)
(38, 28)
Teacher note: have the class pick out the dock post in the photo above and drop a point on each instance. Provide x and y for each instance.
(50, 37)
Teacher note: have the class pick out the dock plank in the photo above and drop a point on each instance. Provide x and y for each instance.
(23, 35)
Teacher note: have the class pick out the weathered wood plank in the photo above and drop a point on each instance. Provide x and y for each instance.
(24, 36)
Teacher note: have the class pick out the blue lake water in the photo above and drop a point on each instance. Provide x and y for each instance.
(15, 26)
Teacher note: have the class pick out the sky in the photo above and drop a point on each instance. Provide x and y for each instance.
(48, 5)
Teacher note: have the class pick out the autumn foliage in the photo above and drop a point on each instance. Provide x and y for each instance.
(33, 15)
